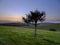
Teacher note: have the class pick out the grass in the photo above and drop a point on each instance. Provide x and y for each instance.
(25, 36)
(46, 26)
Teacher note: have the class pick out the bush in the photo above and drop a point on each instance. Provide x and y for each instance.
(52, 29)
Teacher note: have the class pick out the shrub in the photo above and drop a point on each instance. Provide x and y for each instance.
(52, 29)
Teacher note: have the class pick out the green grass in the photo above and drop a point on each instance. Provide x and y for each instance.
(25, 36)
(46, 26)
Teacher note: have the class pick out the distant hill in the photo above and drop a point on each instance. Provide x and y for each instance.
(18, 24)
(14, 24)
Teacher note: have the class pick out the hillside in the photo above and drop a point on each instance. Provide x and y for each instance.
(46, 26)
(25, 36)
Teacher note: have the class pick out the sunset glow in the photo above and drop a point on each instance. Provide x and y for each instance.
(19, 19)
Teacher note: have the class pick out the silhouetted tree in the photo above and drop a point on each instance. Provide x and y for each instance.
(34, 16)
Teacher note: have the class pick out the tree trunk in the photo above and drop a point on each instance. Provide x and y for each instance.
(35, 29)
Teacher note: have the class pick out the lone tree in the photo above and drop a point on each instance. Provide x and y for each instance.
(34, 16)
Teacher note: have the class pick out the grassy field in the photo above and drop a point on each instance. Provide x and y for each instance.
(25, 36)
(46, 26)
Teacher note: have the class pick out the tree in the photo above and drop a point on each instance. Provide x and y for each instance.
(34, 16)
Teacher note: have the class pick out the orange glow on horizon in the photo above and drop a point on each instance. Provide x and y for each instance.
(19, 19)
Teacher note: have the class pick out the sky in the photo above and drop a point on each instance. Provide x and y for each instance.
(15, 9)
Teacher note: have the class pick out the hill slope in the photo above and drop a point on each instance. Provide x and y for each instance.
(46, 26)
(25, 36)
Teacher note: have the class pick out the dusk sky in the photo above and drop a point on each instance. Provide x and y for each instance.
(14, 9)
